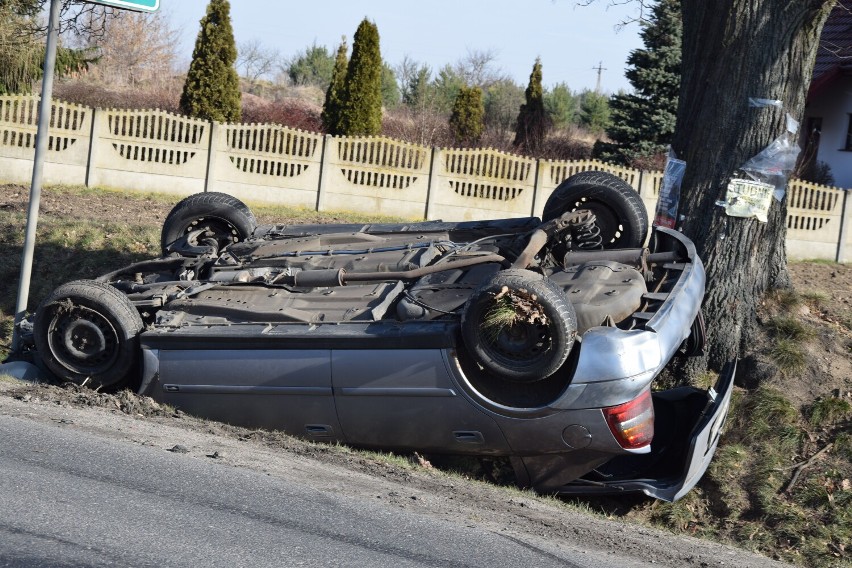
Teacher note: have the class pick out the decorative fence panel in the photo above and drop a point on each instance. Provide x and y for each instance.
(814, 217)
(266, 162)
(375, 175)
(67, 147)
(479, 184)
(159, 151)
(149, 151)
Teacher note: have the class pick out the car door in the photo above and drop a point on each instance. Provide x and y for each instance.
(405, 399)
(279, 389)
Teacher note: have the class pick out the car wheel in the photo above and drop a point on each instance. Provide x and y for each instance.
(519, 326)
(620, 213)
(224, 218)
(87, 332)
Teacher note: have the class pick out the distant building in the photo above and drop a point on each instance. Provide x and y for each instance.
(827, 132)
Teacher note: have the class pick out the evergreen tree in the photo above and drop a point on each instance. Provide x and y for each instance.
(22, 51)
(391, 96)
(333, 102)
(468, 114)
(361, 100)
(643, 122)
(560, 105)
(416, 91)
(413, 80)
(446, 87)
(314, 66)
(594, 111)
(212, 87)
(532, 120)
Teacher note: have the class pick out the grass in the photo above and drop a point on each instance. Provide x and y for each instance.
(788, 356)
(265, 211)
(500, 315)
(767, 413)
(791, 328)
(789, 334)
(787, 299)
(828, 411)
(748, 484)
(509, 308)
(843, 445)
(814, 297)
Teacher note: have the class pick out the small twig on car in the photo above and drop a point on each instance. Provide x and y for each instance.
(801, 466)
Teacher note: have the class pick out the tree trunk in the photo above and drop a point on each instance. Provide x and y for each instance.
(733, 50)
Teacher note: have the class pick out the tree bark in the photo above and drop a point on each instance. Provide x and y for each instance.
(733, 50)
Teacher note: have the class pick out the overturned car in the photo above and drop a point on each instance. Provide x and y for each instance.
(534, 339)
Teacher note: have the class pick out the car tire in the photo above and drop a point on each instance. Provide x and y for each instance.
(620, 213)
(527, 350)
(87, 332)
(228, 219)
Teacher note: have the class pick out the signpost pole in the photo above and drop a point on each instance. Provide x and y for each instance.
(38, 170)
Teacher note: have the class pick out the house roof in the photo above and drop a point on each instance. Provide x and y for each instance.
(834, 57)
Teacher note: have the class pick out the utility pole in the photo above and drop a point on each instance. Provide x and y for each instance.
(38, 170)
(600, 68)
(42, 133)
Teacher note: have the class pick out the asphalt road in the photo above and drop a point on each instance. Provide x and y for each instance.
(73, 499)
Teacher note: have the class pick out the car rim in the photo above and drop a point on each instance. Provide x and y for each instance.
(83, 341)
(522, 342)
(611, 227)
(218, 230)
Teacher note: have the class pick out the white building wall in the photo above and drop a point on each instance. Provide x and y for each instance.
(834, 107)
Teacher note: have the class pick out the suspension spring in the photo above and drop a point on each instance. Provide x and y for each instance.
(587, 234)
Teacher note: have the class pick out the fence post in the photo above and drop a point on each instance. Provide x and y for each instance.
(843, 240)
(641, 184)
(538, 198)
(325, 171)
(536, 187)
(212, 143)
(94, 144)
(433, 181)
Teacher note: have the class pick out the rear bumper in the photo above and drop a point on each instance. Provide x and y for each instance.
(682, 462)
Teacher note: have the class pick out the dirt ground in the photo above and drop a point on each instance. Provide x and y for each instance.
(827, 293)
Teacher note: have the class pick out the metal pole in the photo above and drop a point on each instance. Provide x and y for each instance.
(38, 170)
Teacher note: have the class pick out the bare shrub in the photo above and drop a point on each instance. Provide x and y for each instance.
(563, 146)
(657, 162)
(137, 50)
(294, 113)
(164, 97)
(427, 127)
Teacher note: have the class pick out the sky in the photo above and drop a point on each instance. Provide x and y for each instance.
(571, 40)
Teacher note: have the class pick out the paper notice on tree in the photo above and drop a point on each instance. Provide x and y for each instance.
(748, 198)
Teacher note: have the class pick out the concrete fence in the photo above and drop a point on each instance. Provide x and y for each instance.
(163, 152)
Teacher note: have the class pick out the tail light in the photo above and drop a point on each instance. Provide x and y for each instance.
(632, 423)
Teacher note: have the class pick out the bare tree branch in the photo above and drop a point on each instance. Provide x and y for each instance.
(136, 49)
(641, 5)
(255, 61)
(478, 69)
